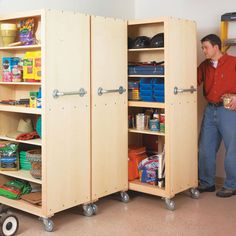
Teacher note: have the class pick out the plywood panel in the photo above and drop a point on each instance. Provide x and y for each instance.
(66, 120)
(109, 111)
(181, 109)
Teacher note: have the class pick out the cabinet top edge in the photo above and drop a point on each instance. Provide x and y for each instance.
(155, 20)
(19, 15)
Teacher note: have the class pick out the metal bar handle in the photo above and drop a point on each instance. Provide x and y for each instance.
(120, 90)
(178, 90)
(56, 93)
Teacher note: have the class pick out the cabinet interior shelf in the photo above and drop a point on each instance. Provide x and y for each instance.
(146, 76)
(145, 49)
(230, 42)
(21, 174)
(24, 47)
(146, 132)
(20, 109)
(20, 83)
(22, 205)
(36, 142)
(136, 185)
(146, 104)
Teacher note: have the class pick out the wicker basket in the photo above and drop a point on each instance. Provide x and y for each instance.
(34, 156)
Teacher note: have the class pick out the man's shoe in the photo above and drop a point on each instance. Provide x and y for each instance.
(202, 188)
(225, 192)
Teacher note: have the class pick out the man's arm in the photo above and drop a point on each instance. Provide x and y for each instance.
(200, 74)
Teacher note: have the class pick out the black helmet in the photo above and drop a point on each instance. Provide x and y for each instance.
(130, 42)
(157, 41)
(141, 42)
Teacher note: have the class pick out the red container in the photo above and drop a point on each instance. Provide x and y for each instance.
(136, 155)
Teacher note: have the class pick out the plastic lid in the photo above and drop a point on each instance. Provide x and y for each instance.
(8, 26)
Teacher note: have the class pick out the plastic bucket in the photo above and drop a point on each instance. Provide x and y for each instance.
(8, 33)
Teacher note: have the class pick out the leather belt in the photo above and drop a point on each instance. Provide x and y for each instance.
(216, 104)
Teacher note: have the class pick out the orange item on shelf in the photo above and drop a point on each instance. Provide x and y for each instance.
(136, 155)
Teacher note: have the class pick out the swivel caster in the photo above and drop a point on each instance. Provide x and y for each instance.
(90, 209)
(95, 209)
(9, 224)
(48, 224)
(124, 197)
(170, 204)
(194, 193)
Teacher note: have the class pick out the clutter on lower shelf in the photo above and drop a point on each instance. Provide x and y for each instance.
(14, 189)
(9, 159)
(147, 169)
(34, 156)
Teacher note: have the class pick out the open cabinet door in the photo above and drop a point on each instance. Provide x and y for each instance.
(66, 119)
(109, 106)
(181, 122)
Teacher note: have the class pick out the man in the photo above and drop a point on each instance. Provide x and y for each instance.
(218, 75)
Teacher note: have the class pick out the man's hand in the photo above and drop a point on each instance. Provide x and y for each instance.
(232, 104)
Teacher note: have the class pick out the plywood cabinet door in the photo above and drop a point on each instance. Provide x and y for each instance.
(109, 108)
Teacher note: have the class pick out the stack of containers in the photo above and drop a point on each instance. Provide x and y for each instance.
(152, 89)
(158, 89)
(133, 93)
(24, 162)
(146, 92)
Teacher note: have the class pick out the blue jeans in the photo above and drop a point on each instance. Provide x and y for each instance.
(218, 123)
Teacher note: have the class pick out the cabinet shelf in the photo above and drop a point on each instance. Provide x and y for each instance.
(136, 185)
(36, 142)
(20, 109)
(145, 49)
(146, 132)
(20, 83)
(21, 174)
(146, 76)
(17, 48)
(22, 205)
(146, 104)
(230, 42)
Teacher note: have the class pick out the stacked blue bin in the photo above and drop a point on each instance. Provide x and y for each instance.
(152, 89)
(158, 90)
(146, 92)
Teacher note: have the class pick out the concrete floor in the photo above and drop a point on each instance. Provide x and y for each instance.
(144, 215)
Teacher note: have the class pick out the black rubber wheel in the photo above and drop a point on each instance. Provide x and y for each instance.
(9, 224)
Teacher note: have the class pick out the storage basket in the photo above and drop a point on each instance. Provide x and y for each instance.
(34, 156)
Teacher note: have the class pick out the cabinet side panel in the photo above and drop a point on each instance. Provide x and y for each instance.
(181, 109)
(67, 118)
(109, 111)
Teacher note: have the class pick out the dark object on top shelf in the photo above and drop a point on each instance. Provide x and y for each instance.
(157, 41)
(130, 43)
(141, 42)
(230, 16)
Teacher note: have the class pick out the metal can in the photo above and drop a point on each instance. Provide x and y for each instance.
(162, 127)
(162, 118)
(226, 101)
(140, 121)
(154, 125)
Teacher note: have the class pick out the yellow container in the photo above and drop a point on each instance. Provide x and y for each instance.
(37, 66)
(8, 33)
(32, 66)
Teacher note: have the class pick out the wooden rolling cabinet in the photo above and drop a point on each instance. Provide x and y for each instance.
(180, 106)
(65, 142)
(11, 114)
